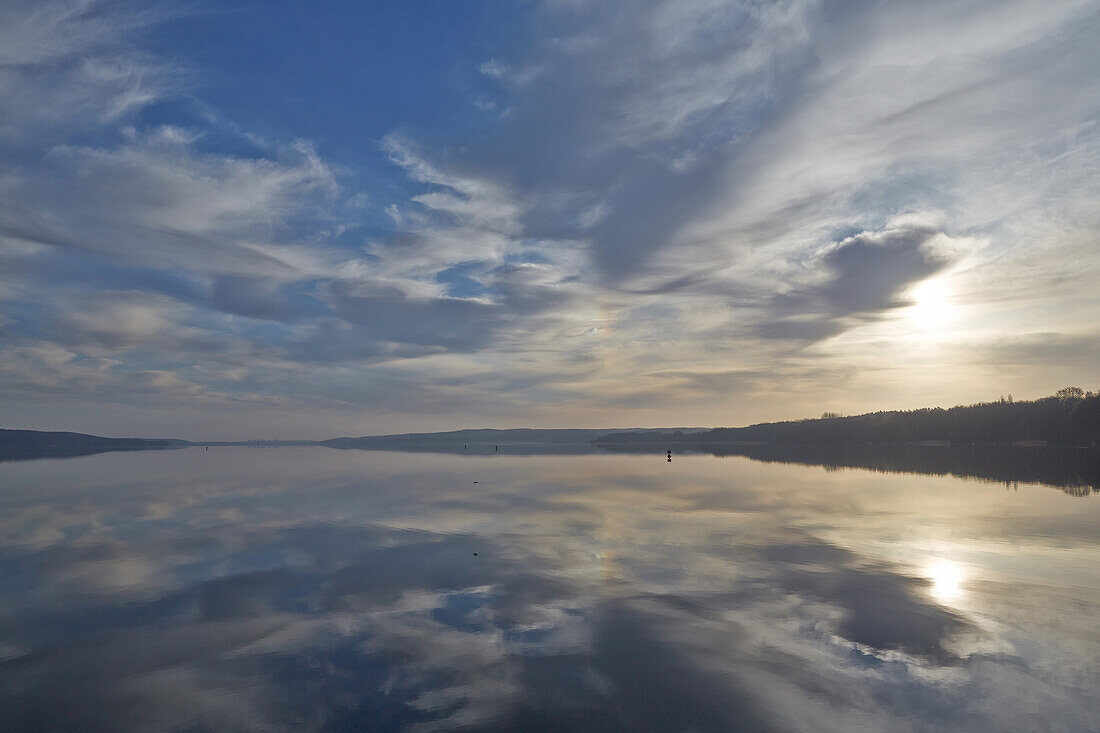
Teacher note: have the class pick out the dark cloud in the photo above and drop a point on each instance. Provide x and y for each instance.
(870, 270)
(864, 276)
(387, 314)
(335, 341)
(263, 298)
(529, 289)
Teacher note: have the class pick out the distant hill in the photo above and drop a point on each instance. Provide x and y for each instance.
(457, 439)
(257, 443)
(1069, 418)
(650, 437)
(22, 444)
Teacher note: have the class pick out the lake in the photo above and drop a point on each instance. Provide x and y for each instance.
(306, 588)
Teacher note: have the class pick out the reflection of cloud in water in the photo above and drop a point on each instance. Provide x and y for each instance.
(319, 590)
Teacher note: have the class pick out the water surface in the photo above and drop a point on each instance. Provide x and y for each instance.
(311, 589)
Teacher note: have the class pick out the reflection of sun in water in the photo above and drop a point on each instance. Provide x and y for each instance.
(946, 578)
(931, 303)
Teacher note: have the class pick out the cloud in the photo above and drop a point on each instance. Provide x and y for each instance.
(868, 272)
(691, 187)
(118, 320)
(861, 276)
(161, 202)
(387, 315)
(262, 298)
(66, 62)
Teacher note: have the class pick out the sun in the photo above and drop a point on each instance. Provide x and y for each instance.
(932, 305)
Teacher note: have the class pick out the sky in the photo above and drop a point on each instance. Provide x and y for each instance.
(299, 220)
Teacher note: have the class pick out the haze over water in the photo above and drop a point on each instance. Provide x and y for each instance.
(312, 589)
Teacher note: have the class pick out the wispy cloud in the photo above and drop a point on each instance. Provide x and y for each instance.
(693, 187)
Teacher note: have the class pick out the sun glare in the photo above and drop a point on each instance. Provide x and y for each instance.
(946, 578)
(932, 304)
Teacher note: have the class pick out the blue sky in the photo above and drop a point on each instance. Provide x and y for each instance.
(296, 219)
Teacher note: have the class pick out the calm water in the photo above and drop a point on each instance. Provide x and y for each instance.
(312, 589)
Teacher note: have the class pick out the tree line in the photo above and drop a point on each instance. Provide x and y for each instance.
(1070, 417)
